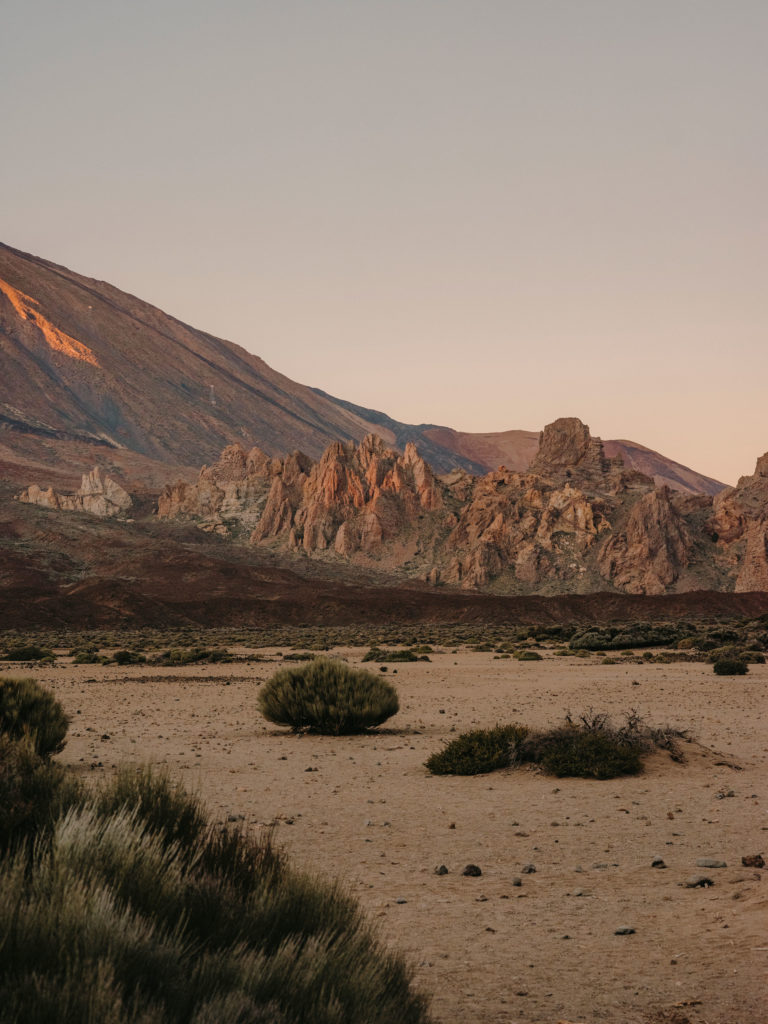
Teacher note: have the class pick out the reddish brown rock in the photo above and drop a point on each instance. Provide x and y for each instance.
(646, 557)
(579, 523)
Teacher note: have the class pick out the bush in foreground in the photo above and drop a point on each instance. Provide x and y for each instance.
(730, 667)
(29, 710)
(115, 921)
(478, 752)
(328, 697)
(33, 792)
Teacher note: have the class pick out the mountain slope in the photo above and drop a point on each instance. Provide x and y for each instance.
(90, 374)
(85, 363)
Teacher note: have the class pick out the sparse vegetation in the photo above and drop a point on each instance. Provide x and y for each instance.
(379, 655)
(27, 652)
(327, 696)
(28, 711)
(588, 746)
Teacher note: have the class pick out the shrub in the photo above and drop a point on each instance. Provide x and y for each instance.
(89, 658)
(112, 923)
(124, 657)
(528, 656)
(191, 656)
(327, 697)
(732, 652)
(583, 753)
(478, 752)
(730, 667)
(33, 791)
(165, 807)
(587, 747)
(378, 654)
(27, 652)
(29, 710)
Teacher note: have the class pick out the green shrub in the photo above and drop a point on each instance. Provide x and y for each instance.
(124, 657)
(165, 807)
(191, 656)
(583, 753)
(733, 652)
(730, 667)
(327, 697)
(89, 658)
(112, 923)
(587, 747)
(378, 654)
(478, 752)
(27, 652)
(528, 656)
(29, 710)
(33, 792)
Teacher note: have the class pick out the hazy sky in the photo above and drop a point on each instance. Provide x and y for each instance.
(479, 213)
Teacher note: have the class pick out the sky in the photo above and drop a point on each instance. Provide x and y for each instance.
(478, 213)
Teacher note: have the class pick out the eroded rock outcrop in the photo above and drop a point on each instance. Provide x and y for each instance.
(648, 554)
(576, 522)
(96, 495)
(739, 524)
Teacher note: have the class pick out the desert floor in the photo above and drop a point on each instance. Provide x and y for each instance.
(365, 809)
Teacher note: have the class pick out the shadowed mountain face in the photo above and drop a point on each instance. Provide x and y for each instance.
(92, 375)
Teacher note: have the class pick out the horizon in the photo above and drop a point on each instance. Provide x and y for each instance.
(481, 219)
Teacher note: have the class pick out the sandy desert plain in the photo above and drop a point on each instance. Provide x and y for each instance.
(505, 946)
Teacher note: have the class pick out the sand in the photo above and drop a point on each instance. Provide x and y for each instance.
(366, 810)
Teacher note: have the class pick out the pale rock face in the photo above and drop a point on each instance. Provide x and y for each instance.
(233, 490)
(97, 496)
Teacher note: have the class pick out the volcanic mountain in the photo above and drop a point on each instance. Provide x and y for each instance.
(92, 375)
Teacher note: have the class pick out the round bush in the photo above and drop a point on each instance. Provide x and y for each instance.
(27, 709)
(528, 656)
(730, 667)
(327, 697)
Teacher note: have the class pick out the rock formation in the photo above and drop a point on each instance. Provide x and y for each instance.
(576, 522)
(97, 496)
(739, 525)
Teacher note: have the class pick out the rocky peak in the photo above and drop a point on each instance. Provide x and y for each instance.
(568, 451)
(646, 557)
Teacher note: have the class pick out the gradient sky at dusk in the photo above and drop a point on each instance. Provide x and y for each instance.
(483, 214)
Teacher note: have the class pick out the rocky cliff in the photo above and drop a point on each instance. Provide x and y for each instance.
(576, 521)
(97, 496)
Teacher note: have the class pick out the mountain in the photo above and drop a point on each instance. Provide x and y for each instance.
(92, 375)
(576, 521)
